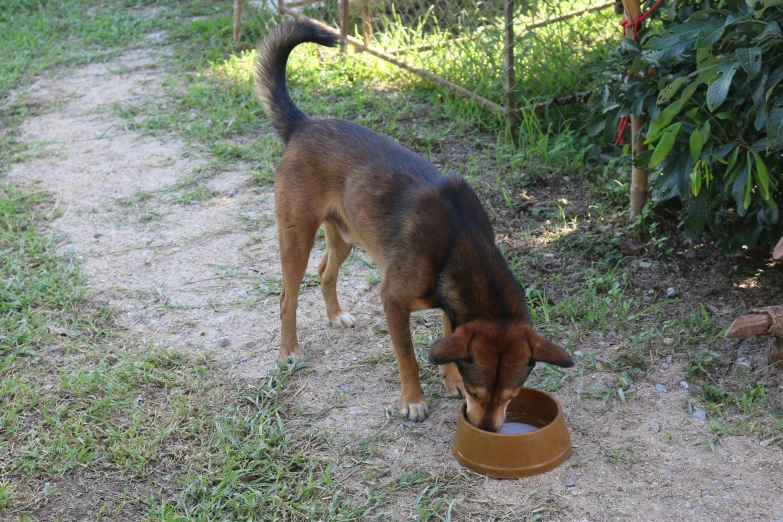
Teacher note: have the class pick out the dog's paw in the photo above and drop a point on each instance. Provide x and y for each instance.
(415, 411)
(452, 381)
(343, 320)
(294, 353)
(454, 385)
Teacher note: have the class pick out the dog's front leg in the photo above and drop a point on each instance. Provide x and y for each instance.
(452, 380)
(398, 318)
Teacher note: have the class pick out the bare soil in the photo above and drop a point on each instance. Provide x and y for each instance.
(199, 277)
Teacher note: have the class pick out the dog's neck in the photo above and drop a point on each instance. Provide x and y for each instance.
(481, 287)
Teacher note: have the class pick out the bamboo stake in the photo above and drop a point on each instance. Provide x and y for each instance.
(639, 178)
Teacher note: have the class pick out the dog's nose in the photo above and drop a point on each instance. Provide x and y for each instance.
(486, 425)
(492, 427)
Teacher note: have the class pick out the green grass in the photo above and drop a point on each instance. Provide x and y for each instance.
(79, 396)
(467, 42)
(73, 396)
(41, 36)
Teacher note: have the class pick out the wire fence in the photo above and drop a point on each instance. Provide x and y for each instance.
(506, 55)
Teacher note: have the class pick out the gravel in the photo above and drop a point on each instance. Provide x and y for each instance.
(660, 388)
(700, 415)
(572, 480)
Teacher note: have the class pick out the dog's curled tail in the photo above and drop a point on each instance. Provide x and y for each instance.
(270, 71)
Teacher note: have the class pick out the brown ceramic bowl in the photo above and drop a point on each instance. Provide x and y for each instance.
(522, 455)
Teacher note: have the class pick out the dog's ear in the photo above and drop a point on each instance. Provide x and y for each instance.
(546, 352)
(453, 347)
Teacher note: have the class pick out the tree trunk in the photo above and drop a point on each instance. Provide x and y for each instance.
(639, 192)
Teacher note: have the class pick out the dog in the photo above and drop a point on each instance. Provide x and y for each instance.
(427, 232)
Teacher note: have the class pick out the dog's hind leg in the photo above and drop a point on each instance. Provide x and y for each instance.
(337, 250)
(296, 241)
(452, 380)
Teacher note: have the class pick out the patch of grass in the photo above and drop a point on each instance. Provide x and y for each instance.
(5, 495)
(72, 399)
(34, 276)
(114, 408)
(76, 398)
(256, 462)
(40, 36)
(601, 304)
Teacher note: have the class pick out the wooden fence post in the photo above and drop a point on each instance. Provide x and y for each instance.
(366, 23)
(639, 191)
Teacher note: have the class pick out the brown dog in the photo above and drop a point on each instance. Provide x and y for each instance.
(427, 232)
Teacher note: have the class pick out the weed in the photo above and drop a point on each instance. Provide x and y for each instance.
(5, 495)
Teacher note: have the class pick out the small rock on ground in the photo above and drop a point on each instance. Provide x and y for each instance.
(572, 480)
(660, 388)
(700, 415)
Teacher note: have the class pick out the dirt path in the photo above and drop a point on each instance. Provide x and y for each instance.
(201, 276)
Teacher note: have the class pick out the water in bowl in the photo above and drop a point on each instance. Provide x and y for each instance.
(516, 428)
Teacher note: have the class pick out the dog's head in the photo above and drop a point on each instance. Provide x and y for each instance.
(494, 360)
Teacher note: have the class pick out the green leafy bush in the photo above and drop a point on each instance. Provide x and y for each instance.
(710, 77)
